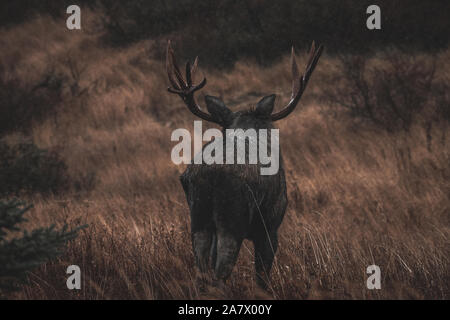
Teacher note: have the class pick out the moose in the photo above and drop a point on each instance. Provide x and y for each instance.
(230, 203)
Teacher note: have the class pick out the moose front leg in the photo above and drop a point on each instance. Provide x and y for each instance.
(228, 246)
(201, 243)
(202, 228)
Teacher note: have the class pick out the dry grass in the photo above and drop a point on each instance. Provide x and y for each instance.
(356, 196)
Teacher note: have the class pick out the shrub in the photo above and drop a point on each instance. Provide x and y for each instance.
(22, 103)
(390, 95)
(22, 254)
(26, 168)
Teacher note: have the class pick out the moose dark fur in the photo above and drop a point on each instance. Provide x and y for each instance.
(230, 203)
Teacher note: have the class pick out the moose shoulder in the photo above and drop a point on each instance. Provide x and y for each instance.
(231, 202)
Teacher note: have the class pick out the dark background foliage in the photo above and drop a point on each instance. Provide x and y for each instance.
(223, 31)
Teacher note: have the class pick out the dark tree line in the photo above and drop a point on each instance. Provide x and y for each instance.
(223, 31)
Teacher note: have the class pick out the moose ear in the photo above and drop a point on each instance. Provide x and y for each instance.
(218, 109)
(265, 105)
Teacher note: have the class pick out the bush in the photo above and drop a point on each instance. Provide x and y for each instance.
(391, 95)
(26, 168)
(22, 254)
(20, 103)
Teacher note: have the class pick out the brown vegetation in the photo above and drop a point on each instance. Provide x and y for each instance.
(358, 194)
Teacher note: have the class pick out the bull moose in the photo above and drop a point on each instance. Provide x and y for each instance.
(230, 203)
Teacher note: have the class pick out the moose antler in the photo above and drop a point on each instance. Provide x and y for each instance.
(299, 83)
(184, 88)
